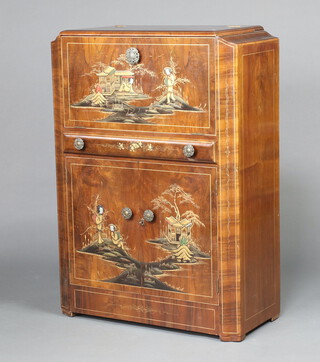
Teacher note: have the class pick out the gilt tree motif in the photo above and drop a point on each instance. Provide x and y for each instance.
(138, 69)
(171, 199)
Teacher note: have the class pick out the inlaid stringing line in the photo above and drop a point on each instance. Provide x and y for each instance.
(162, 125)
(228, 180)
(146, 169)
(130, 316)
(244, 245)
(236, 197)
(74, 164)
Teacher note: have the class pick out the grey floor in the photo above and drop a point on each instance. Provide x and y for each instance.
(33, 329)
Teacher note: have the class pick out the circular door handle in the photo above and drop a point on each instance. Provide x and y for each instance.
(132, 56)
(148, 215)
(126, 213)
(188, 151)
(79, 143)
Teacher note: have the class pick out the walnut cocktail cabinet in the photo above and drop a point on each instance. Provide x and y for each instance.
(167, 175)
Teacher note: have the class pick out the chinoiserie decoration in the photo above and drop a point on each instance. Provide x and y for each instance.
(109, 242)
(118, 88)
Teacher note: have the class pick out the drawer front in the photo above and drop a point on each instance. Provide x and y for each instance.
(170, 89)
(143, 227)
(141, 148)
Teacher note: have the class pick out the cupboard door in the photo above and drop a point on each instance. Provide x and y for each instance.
(179, 246)
(144, 227)
(171, 88)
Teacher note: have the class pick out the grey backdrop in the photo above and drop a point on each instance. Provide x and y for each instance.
(31, 326)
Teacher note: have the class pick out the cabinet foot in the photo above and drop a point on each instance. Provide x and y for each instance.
(232, 338)
(68, 312)
(275, 318)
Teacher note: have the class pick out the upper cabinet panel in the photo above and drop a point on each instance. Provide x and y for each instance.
(169, 90)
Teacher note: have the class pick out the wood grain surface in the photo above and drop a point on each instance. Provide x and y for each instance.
(209, 260)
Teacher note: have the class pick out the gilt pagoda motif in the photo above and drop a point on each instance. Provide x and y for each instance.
(120, 84)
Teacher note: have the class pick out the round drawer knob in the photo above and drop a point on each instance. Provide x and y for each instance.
(79, 143)
(188, 150)
(148, 215)
(132, 56)
(126, 213)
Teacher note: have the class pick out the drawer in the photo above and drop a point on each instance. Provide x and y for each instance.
(140, 148)
(169, 90)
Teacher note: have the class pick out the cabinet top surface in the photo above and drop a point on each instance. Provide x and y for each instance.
(212, 29)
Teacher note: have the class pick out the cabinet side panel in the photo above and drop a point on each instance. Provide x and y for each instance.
(60, 174)
(258, 64)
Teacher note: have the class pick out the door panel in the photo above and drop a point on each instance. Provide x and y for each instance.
(173, 256)
(171, 89)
